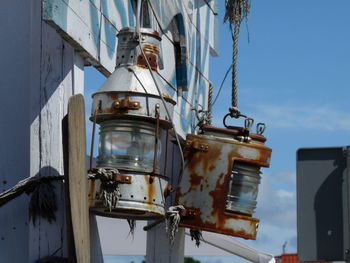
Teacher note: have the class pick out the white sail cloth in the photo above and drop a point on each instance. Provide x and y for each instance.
(235, 247)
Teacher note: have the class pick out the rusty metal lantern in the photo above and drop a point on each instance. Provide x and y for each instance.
(220, 182)
(132, 119)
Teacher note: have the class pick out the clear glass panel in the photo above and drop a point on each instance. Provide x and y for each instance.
(128, 145)
(244, 186)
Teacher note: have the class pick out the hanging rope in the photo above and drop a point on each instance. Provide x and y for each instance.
(43, 197)
(236, 11)
(109, 189)
(196, 235)
(209, 117)
(43, 202)
(132, 227)
(173, 218)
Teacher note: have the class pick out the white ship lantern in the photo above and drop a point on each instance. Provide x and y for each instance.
(220, 183)
(132, 118)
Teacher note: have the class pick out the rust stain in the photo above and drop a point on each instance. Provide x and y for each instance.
(152, 60)
(155, 33)
(151, 189)
(168, 190)
(219, 197)
(263, 160)
(151, 48)
(113, 95)
(206, 159)
(195, 179)
(206, 163)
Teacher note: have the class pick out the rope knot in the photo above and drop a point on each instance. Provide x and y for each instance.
(173, 218)
(234, 112)
(109, 189)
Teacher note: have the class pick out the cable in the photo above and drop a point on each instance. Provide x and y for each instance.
(163, 101)
(171, 86)
(222, 84)
(172, 41)
(211, 9)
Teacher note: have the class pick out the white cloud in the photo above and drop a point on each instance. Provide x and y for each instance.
(276, 210)
(284, 194)
(316, 117)
(276, 206)
(286, 178)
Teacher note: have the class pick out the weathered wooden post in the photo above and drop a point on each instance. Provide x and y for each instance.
(40, 71)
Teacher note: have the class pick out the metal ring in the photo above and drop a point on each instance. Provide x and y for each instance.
(224, 120)
(260, 128)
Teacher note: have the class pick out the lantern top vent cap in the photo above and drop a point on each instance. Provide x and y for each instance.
(143, 31)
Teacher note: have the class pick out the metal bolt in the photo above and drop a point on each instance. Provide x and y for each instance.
(116, 104)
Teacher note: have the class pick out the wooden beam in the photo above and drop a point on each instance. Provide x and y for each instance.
(77, 174)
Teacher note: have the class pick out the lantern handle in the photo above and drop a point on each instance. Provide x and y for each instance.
(234, 113)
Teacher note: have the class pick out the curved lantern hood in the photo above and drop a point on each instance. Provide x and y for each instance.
(131, 89)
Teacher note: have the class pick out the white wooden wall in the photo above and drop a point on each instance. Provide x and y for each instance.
(39, 72)
(15, 105)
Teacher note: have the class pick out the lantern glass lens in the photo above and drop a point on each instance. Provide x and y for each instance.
(244, 186)
(128, 145)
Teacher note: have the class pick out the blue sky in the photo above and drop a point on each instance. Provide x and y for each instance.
(294, 75)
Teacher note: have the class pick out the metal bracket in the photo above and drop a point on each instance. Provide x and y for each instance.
(113, 175)
(197, 145)
(122, 178)
(189, 212)
(126, 104)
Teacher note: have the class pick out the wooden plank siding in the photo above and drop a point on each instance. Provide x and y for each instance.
(40, 71)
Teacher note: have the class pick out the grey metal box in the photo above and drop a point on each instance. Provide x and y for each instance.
(323, 203)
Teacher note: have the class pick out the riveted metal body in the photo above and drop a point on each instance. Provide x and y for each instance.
(132, 117)
(142, 199)
(211, 180)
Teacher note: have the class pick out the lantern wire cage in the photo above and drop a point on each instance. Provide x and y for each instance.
(138, 36)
